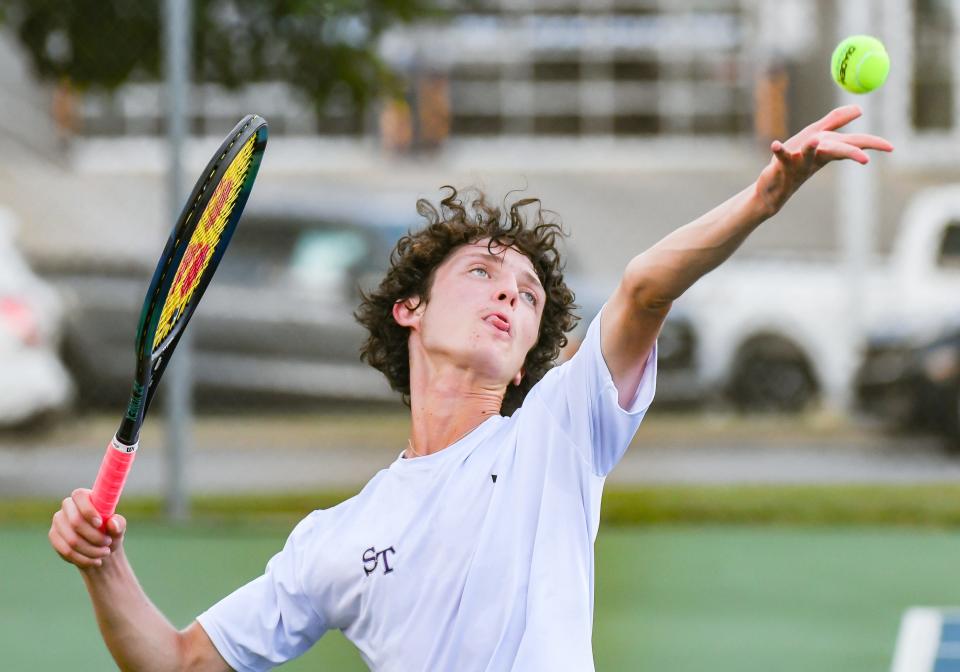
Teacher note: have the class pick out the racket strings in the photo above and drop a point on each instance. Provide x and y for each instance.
(155, 297)
(210, 175)
(204, 240)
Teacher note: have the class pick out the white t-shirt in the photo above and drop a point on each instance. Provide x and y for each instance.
(477, 557)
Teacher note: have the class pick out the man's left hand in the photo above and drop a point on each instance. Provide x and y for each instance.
(795, 160)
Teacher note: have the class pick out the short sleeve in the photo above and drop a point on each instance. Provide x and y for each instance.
(269, 620)
(581, 396)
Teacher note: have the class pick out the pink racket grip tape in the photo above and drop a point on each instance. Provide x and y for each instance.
(111, 478)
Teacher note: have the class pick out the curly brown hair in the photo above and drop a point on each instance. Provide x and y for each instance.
(417, 256)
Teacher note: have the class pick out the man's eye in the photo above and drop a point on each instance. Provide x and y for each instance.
(482, 270)
(533, 297)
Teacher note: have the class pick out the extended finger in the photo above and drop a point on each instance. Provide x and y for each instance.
(862, 140)
(810, 148)
(779, 150)
(81, 525)
(830, 150)
(838, 118)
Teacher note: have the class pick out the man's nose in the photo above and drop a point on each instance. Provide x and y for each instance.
(509, 292)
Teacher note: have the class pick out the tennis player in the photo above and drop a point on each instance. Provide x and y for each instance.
(473, 550)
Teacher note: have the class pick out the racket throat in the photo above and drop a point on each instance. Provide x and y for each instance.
(129, 431)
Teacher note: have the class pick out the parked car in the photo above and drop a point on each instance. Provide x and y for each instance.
(277, 321)
(33, 381)
(914, 387)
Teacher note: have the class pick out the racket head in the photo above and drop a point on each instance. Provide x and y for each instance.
(193, 251)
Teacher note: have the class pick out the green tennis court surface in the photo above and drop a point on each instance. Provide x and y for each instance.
(668, 598)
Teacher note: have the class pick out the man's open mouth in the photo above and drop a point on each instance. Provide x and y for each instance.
(499, 321)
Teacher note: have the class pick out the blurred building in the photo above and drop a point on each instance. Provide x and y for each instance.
(550, 68)
(664, 91)
(598, 69)
(569, 68)
(588, 68)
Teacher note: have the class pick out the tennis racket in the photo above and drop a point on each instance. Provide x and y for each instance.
(191, 256)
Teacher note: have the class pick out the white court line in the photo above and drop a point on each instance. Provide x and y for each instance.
(918, 640)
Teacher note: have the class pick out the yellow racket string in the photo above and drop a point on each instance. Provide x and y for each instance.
(204, 241)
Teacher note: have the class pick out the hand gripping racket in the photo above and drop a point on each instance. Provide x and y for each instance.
(191, 256)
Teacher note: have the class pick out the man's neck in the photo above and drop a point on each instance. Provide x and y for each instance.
(443, 414)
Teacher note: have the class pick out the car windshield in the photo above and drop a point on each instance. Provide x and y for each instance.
(322, 260)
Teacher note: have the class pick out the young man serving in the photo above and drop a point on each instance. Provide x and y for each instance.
(474, 549)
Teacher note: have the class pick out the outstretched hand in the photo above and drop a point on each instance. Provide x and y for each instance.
(795, 160)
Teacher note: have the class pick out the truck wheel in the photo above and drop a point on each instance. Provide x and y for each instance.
(772, 375)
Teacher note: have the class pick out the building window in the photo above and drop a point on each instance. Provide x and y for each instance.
(572, 68)
(933, 67)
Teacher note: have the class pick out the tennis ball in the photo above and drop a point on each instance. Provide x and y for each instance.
(860, 64)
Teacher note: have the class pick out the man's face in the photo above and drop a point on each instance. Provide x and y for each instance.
(484, 311)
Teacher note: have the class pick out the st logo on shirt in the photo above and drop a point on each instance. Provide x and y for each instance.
(371, 558)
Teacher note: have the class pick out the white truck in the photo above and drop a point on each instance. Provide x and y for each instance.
(777, 333)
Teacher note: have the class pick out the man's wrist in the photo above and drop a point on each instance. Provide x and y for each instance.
(112, 568)
(760, 205)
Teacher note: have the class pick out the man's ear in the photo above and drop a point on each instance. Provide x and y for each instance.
(517, 378)
(407, 312)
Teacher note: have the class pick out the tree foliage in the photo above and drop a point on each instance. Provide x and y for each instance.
(317, 46)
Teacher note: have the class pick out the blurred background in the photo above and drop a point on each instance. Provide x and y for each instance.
(795, 487)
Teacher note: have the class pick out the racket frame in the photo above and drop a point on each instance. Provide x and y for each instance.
(152, 363)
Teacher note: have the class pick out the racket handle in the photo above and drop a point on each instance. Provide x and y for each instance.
(111, 477)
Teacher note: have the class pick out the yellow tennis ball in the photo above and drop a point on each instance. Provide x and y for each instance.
(860, 64)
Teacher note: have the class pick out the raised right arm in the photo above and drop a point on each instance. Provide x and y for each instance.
(138, 636)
